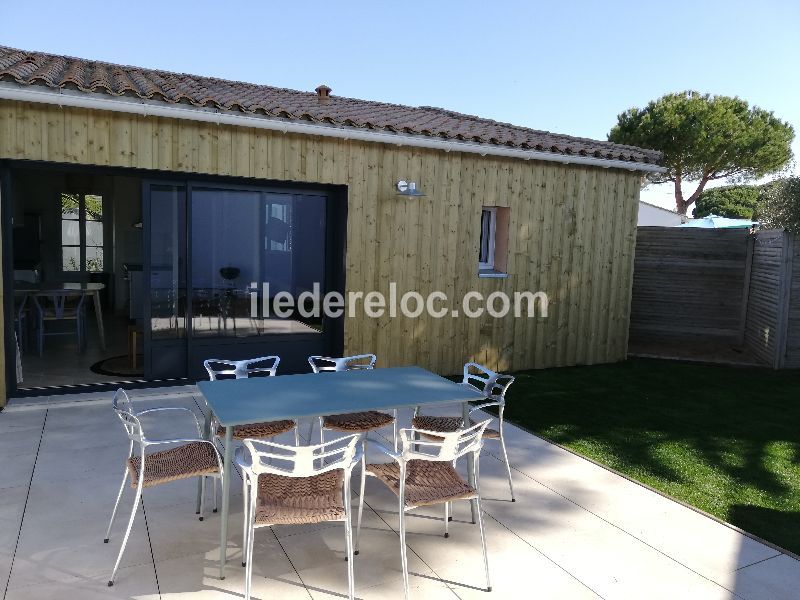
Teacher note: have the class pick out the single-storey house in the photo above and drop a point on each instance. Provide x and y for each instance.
(651, 215)
(142, 211)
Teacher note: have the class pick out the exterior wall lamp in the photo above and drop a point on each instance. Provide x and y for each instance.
(408, 188)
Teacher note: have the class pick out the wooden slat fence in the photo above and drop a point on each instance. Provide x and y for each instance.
(765, 324)
(726, 286)
(688, 284)
(792, 352)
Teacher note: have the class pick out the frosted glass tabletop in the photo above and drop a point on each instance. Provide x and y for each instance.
(243, 401)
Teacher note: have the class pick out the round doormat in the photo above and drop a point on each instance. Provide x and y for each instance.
(119, 366)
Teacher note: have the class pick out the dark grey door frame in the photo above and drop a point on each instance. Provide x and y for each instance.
(6, 223)
(332, 340)
(147, 222)
(336, 233)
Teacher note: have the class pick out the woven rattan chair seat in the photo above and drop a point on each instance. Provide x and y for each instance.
(360, 421)
(427, 482)
(299, 500)
(258, 430)
(189, 460)
(446, 425)
(443, 424)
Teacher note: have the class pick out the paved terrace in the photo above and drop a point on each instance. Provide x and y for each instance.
(576, 530)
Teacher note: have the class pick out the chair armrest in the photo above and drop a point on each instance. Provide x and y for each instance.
(357, 458)
(483, 405)
(242, 459)
(174, 409)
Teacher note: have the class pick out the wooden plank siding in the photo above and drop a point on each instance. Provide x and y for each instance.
(571, 234)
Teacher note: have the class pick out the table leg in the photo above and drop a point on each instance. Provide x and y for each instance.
(207, 436)
(225, 500)
(98, 313)
(470, 465)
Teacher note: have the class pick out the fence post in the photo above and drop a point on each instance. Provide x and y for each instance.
(748, 269)
(782, 316)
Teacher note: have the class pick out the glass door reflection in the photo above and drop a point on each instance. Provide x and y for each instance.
(248, 243)
(165, 278)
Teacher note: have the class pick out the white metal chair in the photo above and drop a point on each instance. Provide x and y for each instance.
(493, 386)
(283, 486)
(359, 422)
(423, 473)
(190, 457)
(242, 369)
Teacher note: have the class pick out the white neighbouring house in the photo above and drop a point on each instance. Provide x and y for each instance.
(651, 215)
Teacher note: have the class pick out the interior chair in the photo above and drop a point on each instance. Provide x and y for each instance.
(284, 486)
(358, 422)
(493, 386)
(188, 457)
(60, 306)
(423, 473)
(265, 366)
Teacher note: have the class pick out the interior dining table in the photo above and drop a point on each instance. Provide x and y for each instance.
(242, 401)
(46, 288)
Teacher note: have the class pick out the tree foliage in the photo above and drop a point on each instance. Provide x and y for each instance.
(779, 205)
(775, 205)
(705, 138)
(734, 201)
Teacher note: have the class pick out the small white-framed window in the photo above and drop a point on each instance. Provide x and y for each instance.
(82, 232)
(487, 241)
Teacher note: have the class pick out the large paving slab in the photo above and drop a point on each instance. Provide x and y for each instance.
(775, 579)
(577, 530)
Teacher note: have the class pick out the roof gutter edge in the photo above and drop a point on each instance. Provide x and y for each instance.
(17, 92)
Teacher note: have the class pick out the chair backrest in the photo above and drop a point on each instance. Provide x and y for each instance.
(302, 461)
(20, 303)
(499, 387)
(123, 406)
(219, 368)
(479, 377)
(59, 305)
(26, 275)
(345, 363)
(439, 446)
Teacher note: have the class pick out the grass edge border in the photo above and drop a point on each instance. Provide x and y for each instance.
(752, 536)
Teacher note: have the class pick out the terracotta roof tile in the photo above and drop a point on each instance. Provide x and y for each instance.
(54, 71)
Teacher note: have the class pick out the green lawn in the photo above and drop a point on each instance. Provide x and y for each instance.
(724, 439)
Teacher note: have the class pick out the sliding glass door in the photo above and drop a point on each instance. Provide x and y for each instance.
(165, 252)
(218, 257)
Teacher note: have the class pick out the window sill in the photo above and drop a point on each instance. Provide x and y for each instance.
(491, 274)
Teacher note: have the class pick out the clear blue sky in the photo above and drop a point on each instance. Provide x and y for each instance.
(567, 67)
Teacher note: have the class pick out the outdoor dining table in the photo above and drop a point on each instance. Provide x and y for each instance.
(243, 401)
